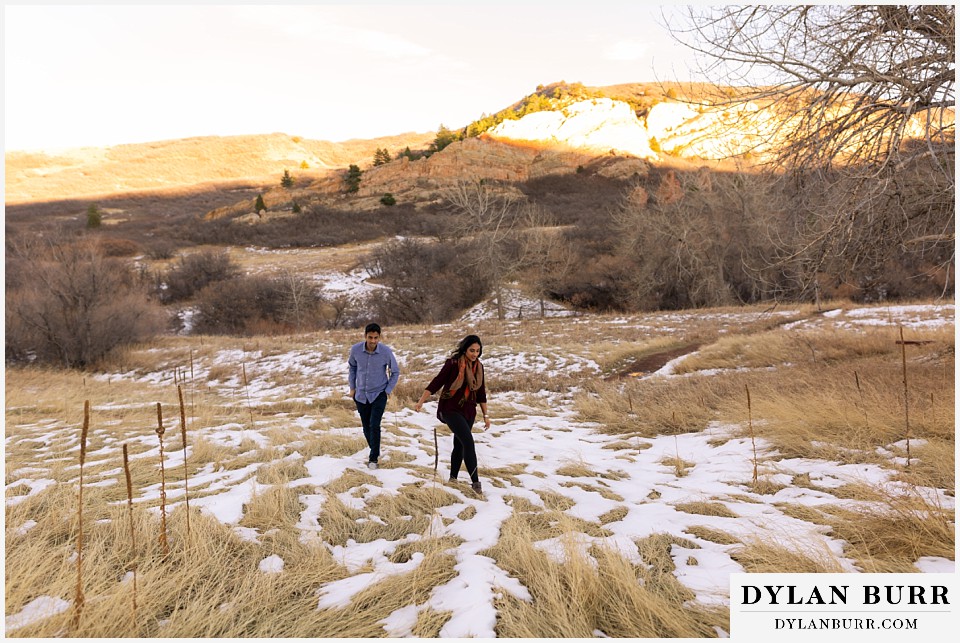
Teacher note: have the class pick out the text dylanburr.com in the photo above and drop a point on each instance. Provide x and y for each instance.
(843, 607)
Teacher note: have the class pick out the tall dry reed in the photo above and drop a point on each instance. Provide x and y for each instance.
(753, 440)
(163, 486)
(906, 394)
(78, 594)
(186, 475)
(133, 533)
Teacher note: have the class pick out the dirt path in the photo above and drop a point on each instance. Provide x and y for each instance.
(653, 362)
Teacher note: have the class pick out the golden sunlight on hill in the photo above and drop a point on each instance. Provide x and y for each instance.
(87, 172)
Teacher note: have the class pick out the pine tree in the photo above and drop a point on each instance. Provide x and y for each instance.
(381, 156)
(287, 180)
(260, 206)
(296, 208)
(94, 218)
(353, 178)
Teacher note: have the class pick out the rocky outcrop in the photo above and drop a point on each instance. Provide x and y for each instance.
(598, 125)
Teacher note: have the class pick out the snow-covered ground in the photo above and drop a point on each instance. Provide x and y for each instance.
(551, 450)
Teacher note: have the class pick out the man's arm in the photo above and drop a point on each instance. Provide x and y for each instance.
(352, 372)
(394, 373)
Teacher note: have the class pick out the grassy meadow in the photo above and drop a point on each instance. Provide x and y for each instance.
(626, 475)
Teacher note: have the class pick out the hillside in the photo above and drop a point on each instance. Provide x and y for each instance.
(88, 172)
(625, 118)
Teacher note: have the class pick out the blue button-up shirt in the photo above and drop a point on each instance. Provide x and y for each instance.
(372, 373)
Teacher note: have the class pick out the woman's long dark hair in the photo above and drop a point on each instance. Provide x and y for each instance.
(466, 343)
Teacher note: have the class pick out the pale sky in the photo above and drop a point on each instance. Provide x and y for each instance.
(86, 75)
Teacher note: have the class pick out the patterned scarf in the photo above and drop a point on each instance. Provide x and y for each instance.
(473, 376)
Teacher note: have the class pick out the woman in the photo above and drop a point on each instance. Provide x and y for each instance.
(463, 387)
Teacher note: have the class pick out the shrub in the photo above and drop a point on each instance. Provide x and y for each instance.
(161, 249)
(425, 282)
(194, 272)
(388, 199)
(119, 247)
(75, 306)
(246, 305)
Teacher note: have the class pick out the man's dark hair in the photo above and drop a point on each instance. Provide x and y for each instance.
(372, 328)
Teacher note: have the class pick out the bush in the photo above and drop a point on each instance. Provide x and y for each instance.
(388, 199)
(75, 306)
(119, 247)
(247, 305)
(425, 282)
(194, 272)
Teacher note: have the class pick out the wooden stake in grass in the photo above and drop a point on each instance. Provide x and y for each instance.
(133, 533)
(163, 487)
(186, 475)
(436, 450)
(906, 394)
(78, 594)
(753, 440)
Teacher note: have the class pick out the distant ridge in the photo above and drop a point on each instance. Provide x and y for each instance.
(161, 165)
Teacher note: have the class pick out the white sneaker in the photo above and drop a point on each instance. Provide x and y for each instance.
(373, 465)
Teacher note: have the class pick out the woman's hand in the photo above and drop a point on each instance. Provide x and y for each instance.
(486, 422)
(418, 406)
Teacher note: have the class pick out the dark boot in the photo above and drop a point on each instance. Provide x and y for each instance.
(476, 487)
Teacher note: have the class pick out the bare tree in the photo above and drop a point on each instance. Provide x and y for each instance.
(487, 219)
(545, 256)
(863, 98)
(856, 82)
(709, 248)
(74, 306)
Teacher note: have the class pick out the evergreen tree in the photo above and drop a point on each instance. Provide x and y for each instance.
(94, 218)
(296, 208)
(444, 138)
(304, 165)
(287, 180)
(388, 199)
(381, 156)
(260, 206)
(352, 178)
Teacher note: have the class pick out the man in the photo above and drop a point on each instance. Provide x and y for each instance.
(373, 376)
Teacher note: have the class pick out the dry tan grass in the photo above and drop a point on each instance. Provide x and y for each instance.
(808, 406)
(577, 597)
(706, 509)
(763, 556)
(890, 540)
(713, 535)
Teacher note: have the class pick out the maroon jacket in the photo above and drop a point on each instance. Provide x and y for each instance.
(456, 403)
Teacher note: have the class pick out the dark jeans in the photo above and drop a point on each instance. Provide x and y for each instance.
(464, 449)
(370, 416)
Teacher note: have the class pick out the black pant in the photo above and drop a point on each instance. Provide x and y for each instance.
(370, 416)
(464, 449)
